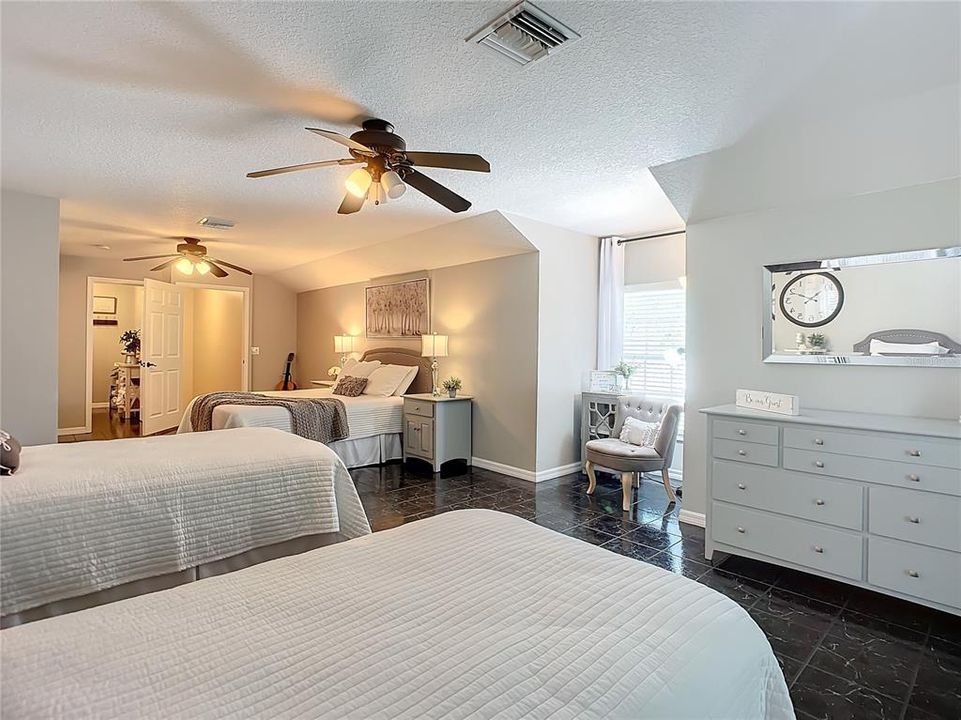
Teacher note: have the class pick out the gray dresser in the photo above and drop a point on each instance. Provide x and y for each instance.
(871, 500)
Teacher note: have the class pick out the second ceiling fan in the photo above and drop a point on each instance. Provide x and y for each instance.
(389, 168)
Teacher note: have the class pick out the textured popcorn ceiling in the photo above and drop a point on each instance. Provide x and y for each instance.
(144, 117)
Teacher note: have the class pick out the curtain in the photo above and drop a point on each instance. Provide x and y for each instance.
(610, 304)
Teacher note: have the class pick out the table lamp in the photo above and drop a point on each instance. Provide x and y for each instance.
(433, 346)
(345, 345)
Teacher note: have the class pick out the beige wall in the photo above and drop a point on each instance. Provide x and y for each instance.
(106, 338)
(489, 309)
(274, 326)
(218, 334)
(654, 261)
(29, 250)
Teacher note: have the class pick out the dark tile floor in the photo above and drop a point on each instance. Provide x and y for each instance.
(846, 652)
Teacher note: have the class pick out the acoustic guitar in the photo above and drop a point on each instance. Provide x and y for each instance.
(287, 383)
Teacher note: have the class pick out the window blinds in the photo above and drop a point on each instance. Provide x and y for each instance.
(653, 329)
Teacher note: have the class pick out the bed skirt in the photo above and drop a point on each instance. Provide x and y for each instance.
(169, 580)
(374, 450)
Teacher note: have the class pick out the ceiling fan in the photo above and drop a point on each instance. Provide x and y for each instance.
(389, 168)
(191, 256)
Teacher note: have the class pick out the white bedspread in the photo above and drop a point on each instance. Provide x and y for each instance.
(367, 415)
(82, 517)
(468, 614)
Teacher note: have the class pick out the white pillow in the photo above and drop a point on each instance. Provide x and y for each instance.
(406, 382)
(638, 432)
(355, 368)
(385, 380)
(880, 347)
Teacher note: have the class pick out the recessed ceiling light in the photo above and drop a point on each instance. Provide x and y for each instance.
(215, 223)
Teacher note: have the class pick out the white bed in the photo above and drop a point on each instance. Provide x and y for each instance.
(376, 423)
(468, 614)
(85, 523)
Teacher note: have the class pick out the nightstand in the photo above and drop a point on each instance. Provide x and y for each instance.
(437, 428)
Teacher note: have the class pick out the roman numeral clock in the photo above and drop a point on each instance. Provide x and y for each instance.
(811, 300)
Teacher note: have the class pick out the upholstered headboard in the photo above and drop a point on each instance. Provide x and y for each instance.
(907, 335)
(405, 356)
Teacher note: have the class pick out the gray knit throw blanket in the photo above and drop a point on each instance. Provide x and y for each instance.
(320, 419)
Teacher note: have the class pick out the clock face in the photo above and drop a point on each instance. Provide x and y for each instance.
(812, 299)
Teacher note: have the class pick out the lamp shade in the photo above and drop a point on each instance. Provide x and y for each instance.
(433, 345)
(345, 343)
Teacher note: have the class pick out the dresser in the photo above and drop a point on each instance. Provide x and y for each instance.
(871, 500)
(437, 428)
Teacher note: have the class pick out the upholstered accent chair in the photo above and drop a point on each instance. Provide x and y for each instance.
(630, 460)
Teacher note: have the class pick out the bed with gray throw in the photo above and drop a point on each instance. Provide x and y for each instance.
(323, 419)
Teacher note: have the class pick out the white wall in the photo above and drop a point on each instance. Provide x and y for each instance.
(29, 262)
(724, 261)
(654, 261)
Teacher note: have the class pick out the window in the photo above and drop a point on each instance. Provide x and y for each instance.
(654, 339)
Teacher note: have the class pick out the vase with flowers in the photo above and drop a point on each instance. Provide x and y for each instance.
(625, 370)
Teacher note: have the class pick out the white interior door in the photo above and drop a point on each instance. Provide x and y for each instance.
(161, 355)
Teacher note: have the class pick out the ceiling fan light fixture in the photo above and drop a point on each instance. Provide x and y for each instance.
(376, 194)
(184, 265)
(358, 182)
(202, 268)
(392, 184)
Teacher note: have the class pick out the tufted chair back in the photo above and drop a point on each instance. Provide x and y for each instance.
(651, 409)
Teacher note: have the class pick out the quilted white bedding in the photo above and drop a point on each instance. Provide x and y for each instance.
(367, 415)
(470, 614)
(81, 517)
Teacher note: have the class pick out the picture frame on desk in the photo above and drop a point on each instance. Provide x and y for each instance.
(603, 381)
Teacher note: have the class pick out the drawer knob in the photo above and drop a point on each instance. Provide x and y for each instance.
(914, 573)
(818, 549)
(914, 453)
(742, 453)
(914, 520)
(819, 501)
(819, 463)
(741, 486)
(914, 478)
(742, 432)
(818, 441)
(741, 530)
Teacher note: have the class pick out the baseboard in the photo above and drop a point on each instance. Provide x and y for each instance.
(99, 406)
(692, 518)
(503, 469)
(559, 471)
(73, 431)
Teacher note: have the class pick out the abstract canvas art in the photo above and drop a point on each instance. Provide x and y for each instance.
(399, 309)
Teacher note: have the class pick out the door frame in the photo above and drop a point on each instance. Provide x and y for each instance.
(88, 335)
(245, 371)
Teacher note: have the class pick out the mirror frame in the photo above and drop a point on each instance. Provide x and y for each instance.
(767, 328)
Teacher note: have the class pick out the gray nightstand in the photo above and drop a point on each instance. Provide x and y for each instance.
(437, 428)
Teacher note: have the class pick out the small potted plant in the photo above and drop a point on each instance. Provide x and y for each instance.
(452, 385)
(625, 370)
(817, 342)
(130, 342)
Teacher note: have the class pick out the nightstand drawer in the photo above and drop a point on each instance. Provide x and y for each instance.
(418, 407)
(919, 517)
(747, 432)
(754, 453)
(914, 570)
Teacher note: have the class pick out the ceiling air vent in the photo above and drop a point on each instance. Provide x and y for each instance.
(524, 33)
(215, 223)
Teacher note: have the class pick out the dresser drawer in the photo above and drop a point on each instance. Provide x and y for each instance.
(745, 452)
(885, 446)
(923, 518)
(884, 472)
(747, 432)
(418, 407)
(828, 501)
(819, 547)
(914, 570)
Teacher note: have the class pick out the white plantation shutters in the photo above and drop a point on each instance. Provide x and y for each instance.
(654, 326)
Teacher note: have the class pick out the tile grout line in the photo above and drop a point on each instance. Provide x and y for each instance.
(820, 641)
(917, 671)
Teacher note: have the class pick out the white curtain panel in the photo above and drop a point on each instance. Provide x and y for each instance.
(610, 304)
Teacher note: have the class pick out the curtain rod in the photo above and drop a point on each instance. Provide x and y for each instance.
(650, 237)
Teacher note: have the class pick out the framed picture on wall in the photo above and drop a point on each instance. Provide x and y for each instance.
(104, 305)
(398, 310)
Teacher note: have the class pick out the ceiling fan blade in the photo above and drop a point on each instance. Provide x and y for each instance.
(452, 161)
(351, 204)
(304, 166)
(230, 265)
(343, 140)
(216, 270)
(435, 191)
(163, 265)
(150, 257)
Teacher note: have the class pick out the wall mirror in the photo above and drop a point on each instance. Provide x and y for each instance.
(900, 308)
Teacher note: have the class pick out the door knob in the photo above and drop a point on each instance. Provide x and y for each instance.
(147, 364)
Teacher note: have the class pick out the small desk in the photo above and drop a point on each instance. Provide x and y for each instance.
(127, 390)
(323, 383)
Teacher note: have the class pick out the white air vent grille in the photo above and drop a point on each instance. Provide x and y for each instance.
(525, 33)
(215, 223)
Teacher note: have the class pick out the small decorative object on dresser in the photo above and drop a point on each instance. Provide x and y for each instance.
(437, 429)
(768, 401)
(870, 500)
(603, 381)
(452, 385)
(625, 370)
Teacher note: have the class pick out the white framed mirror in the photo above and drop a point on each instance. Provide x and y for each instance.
(900, 308)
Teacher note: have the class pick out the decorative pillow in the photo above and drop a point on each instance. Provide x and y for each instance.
(638, 432)
(350, 386)
(9, 454)
(407, 381)
(386, 379)
(355, 368)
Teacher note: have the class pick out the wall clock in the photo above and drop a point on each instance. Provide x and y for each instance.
(812, 299)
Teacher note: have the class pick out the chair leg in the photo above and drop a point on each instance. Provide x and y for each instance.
(627, 486)
(667, 485)
(591, 477)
